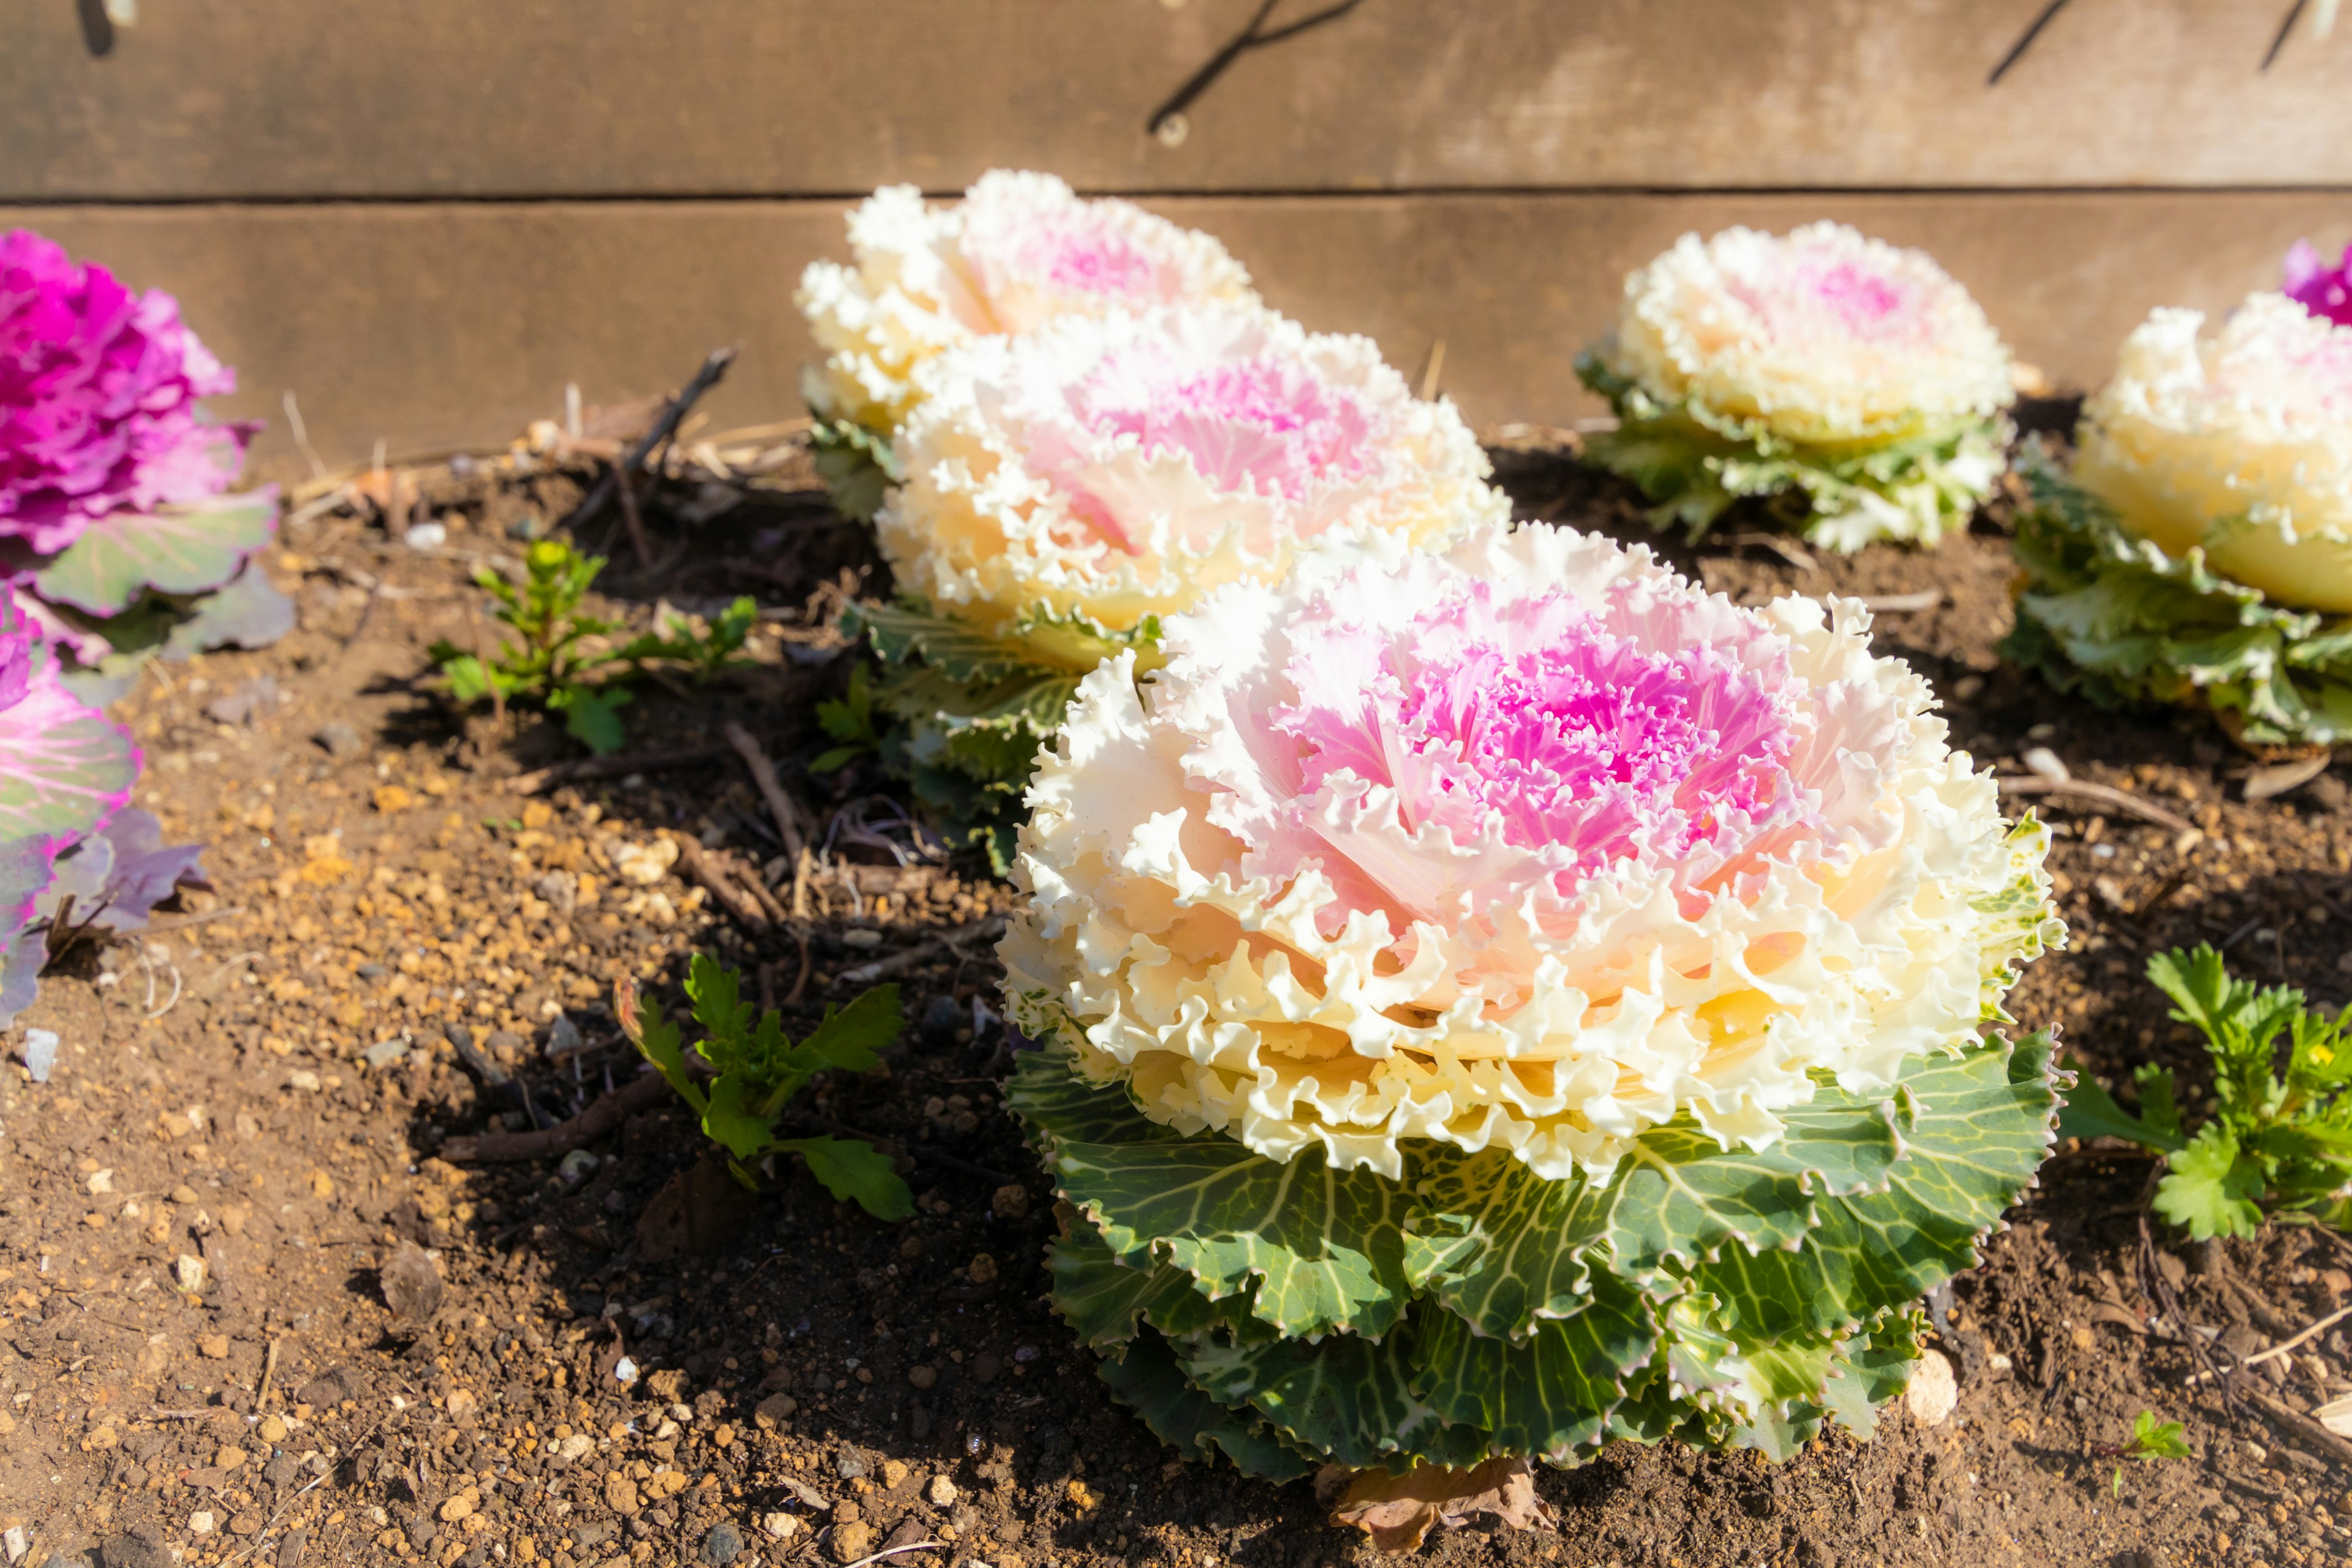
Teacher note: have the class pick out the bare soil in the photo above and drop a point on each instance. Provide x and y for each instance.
(812, 1386)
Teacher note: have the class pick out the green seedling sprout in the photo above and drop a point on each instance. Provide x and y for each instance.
(755, 1071)
(552, 664)
(2276, 1143)
(849, 720)
(2150, 1441)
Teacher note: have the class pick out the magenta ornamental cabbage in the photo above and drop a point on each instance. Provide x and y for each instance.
(2324, 291)
(66, 772)
(97, 399)
(1498, 1001)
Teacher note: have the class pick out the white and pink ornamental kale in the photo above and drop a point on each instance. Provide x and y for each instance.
(98, 400)
(1857, 379)
(1020, 249)
(1108, 471)
(1529, 846)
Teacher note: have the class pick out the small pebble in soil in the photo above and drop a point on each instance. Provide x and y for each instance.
(339, 741)
(941, 1491)
(942, 1019)
(40, 1053)
(722, 1545)
(850, 1466)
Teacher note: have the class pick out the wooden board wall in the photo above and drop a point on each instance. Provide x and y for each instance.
(425, 217)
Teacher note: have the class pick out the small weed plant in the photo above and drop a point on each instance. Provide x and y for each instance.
(755, 1072)
(2150, 1441)
(562, 661)
(2280, 1138)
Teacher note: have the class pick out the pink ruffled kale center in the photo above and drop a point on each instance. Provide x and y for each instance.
(1580, 745)
(97, 393)
(1267, 423)
(1810, 297)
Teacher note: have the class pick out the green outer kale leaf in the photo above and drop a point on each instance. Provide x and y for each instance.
(1341, 1395)
(1326, 1247)
(1696, 464)
(1551, 1395)
(1973, 1139)
(1105, 1299)
(2117, 618)
(1149, 1380)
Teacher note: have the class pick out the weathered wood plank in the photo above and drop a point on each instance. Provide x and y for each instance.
(253, 98)
(428, 325)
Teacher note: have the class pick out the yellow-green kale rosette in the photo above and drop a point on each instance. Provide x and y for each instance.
(2201, 550)
(1857, 384)
(1497, 1002)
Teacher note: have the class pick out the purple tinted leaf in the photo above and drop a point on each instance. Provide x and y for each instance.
(177, 550)
(65, 768)
(116, 878)
(248, 613)
(27, 866)
(21, 957)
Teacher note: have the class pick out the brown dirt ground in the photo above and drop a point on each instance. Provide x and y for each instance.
(861, 1385)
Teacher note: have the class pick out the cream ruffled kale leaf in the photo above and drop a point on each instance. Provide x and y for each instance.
(1473, 1309)
(2120, 620)
(1694, 464)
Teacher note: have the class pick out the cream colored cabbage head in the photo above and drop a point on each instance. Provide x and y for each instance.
(1530, 845)
(1019, 251)
(2236, 441)
(1108, 470)
(1823, 337)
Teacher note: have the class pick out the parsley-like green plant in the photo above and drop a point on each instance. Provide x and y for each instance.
(755, 1072)
(555, 665)
(2277, 1142)
(849, 720)
(2150, 1441)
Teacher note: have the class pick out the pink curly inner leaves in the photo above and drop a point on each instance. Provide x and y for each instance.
(1813, 296)
(2326, 292)
(1577, 745)
(97, 393)
(1265, 424)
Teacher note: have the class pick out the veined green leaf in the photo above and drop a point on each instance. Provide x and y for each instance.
(1149, 1380)
(1974, 1138)
(1549, 1394)
(1503, 1246)
(1340, 1394)
(1105, 1301)
(1326, 1247)
(1679, 1196)
(1059, 1107)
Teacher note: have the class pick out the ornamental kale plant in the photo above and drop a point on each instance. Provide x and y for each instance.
(2198, 554)
(1019, 251)
(73, 855)
(756, 1072)
(1504, 1002)
(1068, 489)
(2322, 289)
(554, 663)
(112, 482)
(1857, 384)
(2274, 1142)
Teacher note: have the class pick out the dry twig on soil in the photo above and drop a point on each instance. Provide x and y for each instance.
(2107, 794)
(605, 1114)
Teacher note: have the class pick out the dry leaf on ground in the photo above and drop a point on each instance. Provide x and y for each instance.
(1398, 1511)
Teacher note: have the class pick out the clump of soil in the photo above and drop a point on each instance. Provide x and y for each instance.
(210, 1211)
